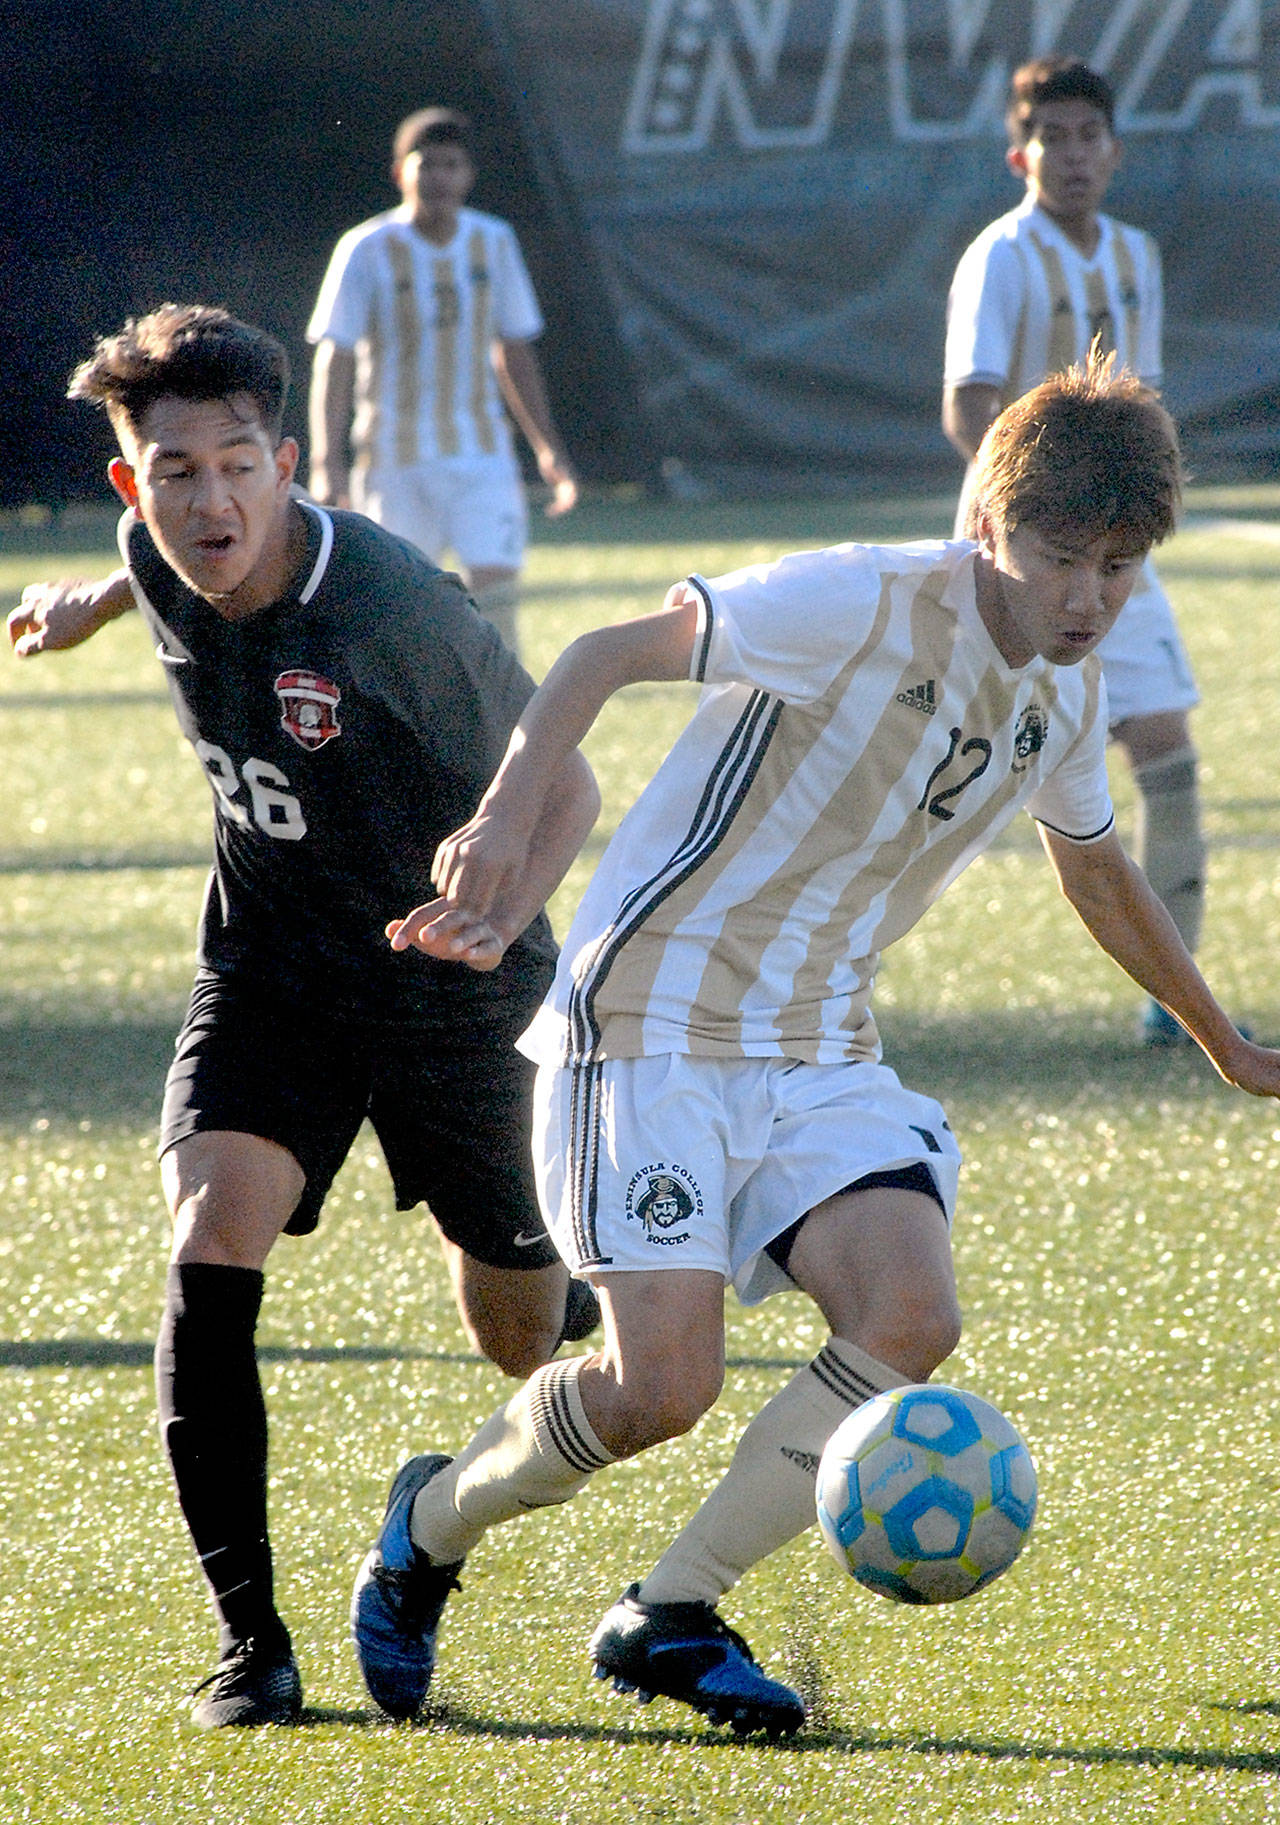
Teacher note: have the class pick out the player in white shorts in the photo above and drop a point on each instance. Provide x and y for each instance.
(709, 1161)
(1030, 296)
(711, 1105)
(424, 328)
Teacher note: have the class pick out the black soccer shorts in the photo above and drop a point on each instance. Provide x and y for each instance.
(450, 1109)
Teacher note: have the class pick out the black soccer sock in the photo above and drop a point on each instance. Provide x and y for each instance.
(213, 1425)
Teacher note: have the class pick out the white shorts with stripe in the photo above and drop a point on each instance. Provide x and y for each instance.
(1143, 659)
(678, 1162)
(471, 506)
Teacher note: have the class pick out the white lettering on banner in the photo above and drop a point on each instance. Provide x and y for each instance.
(770, 71)
(691, 68)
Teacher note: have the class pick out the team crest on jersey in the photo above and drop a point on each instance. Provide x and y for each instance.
(308, 707)
(663, 1197)
(1030, 736)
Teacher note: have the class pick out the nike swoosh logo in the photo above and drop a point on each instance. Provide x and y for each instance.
(167, 658)
(523, 1241)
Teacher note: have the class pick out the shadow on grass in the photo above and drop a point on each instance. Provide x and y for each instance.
(82, 700)
(47, 861)
(136, 1353)
(791, 523)
(113, 1070)
(100, 1072)
(1040, 1055)
(446, 1717)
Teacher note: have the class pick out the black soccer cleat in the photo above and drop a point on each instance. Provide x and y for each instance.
(684, 1651)
(250, 1686)
(398, 1599)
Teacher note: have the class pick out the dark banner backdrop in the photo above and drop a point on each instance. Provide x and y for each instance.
(213, 150)
(741, 215)
(776, 192)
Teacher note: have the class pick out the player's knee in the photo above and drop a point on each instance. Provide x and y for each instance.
(917, 1335)
(658, 1401)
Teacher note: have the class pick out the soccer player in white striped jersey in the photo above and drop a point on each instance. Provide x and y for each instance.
(424, 328)
(1030, 296)
(711, 1104)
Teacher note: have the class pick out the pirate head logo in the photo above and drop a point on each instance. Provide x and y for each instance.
(1030, 736)
(663, 1198)
(308, 708)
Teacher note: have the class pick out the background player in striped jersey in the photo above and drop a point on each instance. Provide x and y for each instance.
(711, 1105)
(1029, 297)
(347, 705)
(424, 325)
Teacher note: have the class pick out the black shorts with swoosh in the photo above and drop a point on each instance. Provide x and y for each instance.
(450, 1108)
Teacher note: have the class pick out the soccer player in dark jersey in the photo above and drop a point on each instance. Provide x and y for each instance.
(349, 706)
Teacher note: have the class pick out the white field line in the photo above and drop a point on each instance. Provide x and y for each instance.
(1265, 532)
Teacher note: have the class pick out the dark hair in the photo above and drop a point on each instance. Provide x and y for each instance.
(433, 127)
(191, 351)
(1054, 79)
(1090, 450)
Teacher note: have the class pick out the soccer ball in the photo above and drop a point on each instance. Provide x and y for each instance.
(926, 1494)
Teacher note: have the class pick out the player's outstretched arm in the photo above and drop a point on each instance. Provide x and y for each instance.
(53, 616)
(457, 935)
(480, 866)
(1111, 895)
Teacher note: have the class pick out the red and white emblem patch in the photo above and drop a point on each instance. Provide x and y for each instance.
(308, 707)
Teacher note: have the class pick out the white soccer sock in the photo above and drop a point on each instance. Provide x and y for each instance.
(766, 1497)
(537, 1450)
(1170, 845)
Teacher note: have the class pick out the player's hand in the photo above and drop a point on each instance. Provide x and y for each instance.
(562, 482)
(53, 616)
(450, 934)
(480, 865)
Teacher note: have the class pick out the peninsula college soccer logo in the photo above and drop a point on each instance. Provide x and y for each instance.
(308, 708)
(1030, 736)
(663, 1198)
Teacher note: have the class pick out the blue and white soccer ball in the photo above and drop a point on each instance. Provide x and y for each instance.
(926, 1494)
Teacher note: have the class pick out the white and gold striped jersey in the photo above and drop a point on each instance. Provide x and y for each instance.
(858, 741)
(421, 320)
(1025, 302)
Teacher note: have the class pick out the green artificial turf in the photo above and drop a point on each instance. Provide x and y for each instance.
(1116, 1254)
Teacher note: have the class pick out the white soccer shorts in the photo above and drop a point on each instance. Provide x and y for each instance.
(698, 1163)
(472, 506)
(1143, 659)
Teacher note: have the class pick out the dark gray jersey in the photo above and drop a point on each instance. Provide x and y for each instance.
(345, 730)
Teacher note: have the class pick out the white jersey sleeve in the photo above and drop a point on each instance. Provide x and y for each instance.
(984, 312)
(787, 627)
(345, 300)
(1075, 800)
(1148, 357)
(517, 317)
